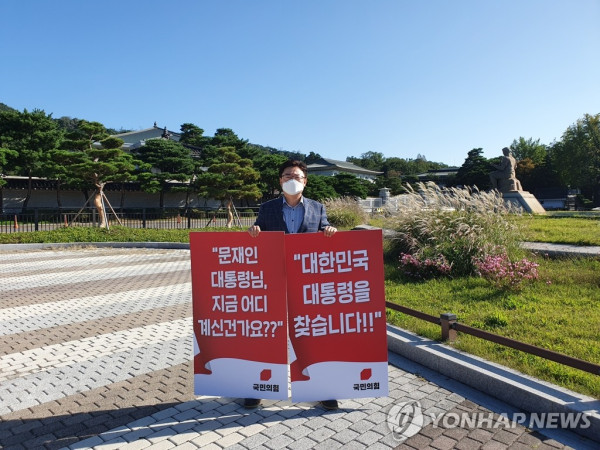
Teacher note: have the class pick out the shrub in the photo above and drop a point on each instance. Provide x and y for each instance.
(457, 226)
(422, 269)
(345, 212)
(504, 274)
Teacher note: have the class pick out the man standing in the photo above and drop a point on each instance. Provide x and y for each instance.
(292, 213)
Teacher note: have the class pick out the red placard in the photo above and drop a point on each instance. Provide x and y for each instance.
(336, 315)
(239, 314)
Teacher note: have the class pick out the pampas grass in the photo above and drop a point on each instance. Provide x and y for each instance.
(461, 225)
(345, 212)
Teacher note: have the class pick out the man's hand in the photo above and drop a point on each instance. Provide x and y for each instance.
(254, 230)
(329, 231)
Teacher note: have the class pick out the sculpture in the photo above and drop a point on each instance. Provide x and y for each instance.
(504, 179)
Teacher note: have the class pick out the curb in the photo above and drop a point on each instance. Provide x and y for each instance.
(512, 387)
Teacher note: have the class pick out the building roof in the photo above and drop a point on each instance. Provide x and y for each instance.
(135, 139)
(445, 172)
(331, 164)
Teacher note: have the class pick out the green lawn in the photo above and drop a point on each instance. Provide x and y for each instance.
(561, 229)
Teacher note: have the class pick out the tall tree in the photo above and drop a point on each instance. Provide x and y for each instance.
(348, 185)
(95, 159)
(171, 161)
(528, 148)
(577, 156)
(320, 187)
(369, 160)
(193, 135)
(312, 158)
(475, 170)
(229, 178)
(32, 135)
(267, 165)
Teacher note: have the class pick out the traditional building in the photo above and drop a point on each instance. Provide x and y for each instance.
(331, 167)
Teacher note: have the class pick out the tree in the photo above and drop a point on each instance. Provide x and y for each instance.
(171, 162)
(267, 166)
(229, 178)
(193, 135)
(5, 156)
(475, 170)
(348, 185)
(320, 187)
(369, 160)
(312, 158)
(32, 135)
(94, 159)
(528, 148)
(577, 156)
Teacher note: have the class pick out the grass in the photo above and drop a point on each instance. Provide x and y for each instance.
(562, 315)
(560, 229)
(115, 234)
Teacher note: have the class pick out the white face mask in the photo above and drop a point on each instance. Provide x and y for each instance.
(292, 187)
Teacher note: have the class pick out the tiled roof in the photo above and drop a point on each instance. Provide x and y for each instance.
(329, 164)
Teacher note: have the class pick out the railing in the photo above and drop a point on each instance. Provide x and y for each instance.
(450, 327)
(46, 220)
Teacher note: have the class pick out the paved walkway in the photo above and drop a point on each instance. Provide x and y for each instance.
(95, 352)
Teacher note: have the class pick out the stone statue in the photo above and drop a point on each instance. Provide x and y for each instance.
(504, 178)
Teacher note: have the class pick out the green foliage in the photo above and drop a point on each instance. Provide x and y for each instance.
(528, 148)
(320, 187)
(345, 212)
(116, 233)
(475, 170)
(230, 177)
(267, 165)
(348, 185)
(90, 158)
(171, 161)
(577, 156)
(27, 139)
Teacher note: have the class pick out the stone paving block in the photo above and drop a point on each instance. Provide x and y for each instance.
(298, 432)
(328, 445)
(230, 439)
(339, 424)
(345, 436)
(255, 441)
(303, 443)
(321, 433)
(468, 444)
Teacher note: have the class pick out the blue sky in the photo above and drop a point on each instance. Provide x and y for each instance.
(337, 77)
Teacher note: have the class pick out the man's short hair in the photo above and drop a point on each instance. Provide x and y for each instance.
(293, 163)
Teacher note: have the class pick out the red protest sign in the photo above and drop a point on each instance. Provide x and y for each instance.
(239, 314)
(336, 314)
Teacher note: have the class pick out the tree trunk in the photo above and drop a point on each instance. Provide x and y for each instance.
(58, 196)
(29, 189)
(122, 203)
(229, 214)
(100, 205)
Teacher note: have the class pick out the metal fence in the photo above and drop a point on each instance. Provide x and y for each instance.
(40, 219)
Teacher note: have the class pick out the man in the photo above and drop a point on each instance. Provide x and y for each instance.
(506, 169)
(292, 213)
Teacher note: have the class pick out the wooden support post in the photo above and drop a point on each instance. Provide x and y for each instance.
(447, 320)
